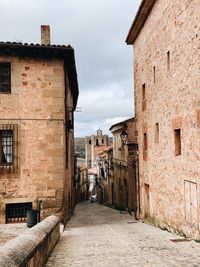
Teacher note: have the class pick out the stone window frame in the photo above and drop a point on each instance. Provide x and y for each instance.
(5, 78)
(8, 148)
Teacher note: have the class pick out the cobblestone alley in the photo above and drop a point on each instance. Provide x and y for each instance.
(100, 236)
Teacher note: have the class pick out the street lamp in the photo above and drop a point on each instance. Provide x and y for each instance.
(124, 136)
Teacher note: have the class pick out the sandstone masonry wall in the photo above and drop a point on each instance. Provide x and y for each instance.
(167, 98)
(36, 105)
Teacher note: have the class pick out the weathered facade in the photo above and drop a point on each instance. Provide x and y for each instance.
(92, 143)
(82, 183)
(38, 95)
(165, 37)
(105, 186)
(125, 165)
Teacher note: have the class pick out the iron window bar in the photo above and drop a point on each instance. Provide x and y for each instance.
(8, 148)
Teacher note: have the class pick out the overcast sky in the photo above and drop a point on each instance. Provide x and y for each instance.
(97, 30)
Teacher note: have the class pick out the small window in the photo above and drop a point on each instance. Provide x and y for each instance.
(145, 141)
(154, 74)
(143, 91)
(102, 141)
(89, 142)
(157, 133)
(143, 97)
(177, 141)
(17, 212)
(97, 142)
(168, 61)
(5, 78)
(145, 146)
(8, 148)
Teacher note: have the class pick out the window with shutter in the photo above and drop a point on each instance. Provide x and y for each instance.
(5, 78)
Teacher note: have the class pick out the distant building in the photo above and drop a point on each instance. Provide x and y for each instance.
(38, 95)
(79, 146)
(165, 37)
(125, 166)
(92, 144)
(105, 186)
(83, 183)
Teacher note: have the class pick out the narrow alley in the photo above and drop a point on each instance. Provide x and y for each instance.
(100, 236)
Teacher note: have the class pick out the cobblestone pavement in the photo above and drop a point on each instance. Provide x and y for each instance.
(100, 236)
(10, 231)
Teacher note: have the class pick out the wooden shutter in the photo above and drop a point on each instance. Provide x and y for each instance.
(5, 79)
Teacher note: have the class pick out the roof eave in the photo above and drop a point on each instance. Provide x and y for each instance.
(121, 123)
(139, 21)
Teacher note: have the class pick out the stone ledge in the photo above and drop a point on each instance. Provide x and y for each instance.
(33, 247)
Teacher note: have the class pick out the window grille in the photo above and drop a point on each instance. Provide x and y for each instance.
(16, 212)
(5, 78)
(8, 148)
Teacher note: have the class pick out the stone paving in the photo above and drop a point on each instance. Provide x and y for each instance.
(10, 231)
(99, 236)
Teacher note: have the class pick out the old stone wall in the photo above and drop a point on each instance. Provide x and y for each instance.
(36, 105)
(167, 104)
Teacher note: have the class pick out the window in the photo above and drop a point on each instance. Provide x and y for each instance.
(154, 74)
(168, 61)
(89, 142)
(177, 140)
(145, 146)
(143, 91)
(5, 78)
(102, 141)
(6, 153)
(97, 142)
(157, 133)
(8, 148)
(16, 212)
(143, 97)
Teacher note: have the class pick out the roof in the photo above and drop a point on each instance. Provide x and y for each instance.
(24, 50)
(108, 149)
(82, 166)
(140, 19)
(99, 149)
(92, 171)
(121, 123)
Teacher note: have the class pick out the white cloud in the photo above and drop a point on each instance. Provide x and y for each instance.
(97, 30)
(103, 107)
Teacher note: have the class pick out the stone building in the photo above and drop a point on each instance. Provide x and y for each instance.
(83, 183)
(38, 95)
(92, 143)
(165, 37)
(105, 188)
(125, 171)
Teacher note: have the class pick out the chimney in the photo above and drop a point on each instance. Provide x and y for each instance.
(45, 35)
